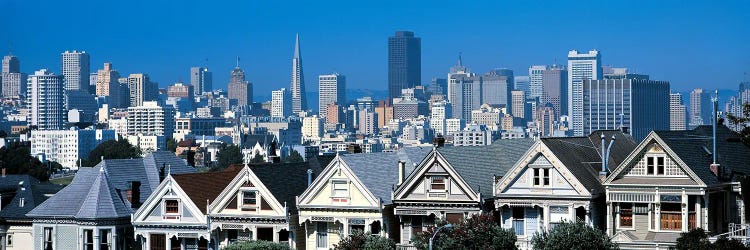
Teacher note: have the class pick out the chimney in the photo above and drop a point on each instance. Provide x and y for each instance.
(309, 177)
(135, 194)
(162, 173)
(3, 172)
(401, 170)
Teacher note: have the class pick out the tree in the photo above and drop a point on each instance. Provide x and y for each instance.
(740, 123)
(258, 158)
(256, 245)
(572, 235)
(697, 239)
(16, 159)
(294, 157)
(112, 149)
(476, 232)
(228, 155)
(364, 241)
(172, 145)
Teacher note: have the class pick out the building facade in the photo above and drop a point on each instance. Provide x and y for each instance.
(151, 119)
(297, 88)
(67, 146)
(331, 89)
(240, 89)
(46, 100)
(404, 62)
(141, 89)
(13, 81)
(76, 69)
(281, 103)
(581, 66)
(700, 108)
(201, 79)
(677, 112)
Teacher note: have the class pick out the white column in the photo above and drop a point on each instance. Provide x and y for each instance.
(571, 212)
(545, 209)
(609, 218)
(254, 229)
(684, 208)
(698, 212)
(587, 217)
(657, 210)
(706, 204)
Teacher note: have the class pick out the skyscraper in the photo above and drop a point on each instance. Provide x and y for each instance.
(201, 79)
(141, 89)
(76, 69)
(496, 87)
(522, 83)
(404, 62)
(240, 89)
(518, 99)
(640, 105)
(281, 103)
(299, 100)
(700, 108)
(439, 113)
(331, 89)
(46, 100)
(535, 80)
(13, 81)
(677, 112)
(464, 90)
(109, 86)
(580, 67)
(555, 89)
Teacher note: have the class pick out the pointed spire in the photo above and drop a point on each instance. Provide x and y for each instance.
(459, 59)
(238, 62)
(296, 47)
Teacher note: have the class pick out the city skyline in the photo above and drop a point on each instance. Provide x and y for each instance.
(673, 39)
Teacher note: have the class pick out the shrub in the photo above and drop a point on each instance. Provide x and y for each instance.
(572, 235)
(256, 245)
(361, 241)
(480, 231)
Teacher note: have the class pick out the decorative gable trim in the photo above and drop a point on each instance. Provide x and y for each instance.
(229, 193)
(634, 158)
(154, 201)
(325, 177)
(434, 157)
(539, 148)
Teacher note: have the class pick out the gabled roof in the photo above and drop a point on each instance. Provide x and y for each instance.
(478, 164)
(25, 187)
(694, 148)
(90, 196)
(203, 188)
(581, 155)
(379, 171)
(250, 140)
(285, 181)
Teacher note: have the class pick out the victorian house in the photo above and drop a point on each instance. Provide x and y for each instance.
(675, 181)
(451, 184)
(354, 193)
(19, 194)
(211, 210)
(556, 180)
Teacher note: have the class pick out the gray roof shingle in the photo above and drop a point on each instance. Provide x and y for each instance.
(32, 191)
(379, 171)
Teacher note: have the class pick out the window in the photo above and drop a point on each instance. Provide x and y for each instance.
(105, 239)
(660, 165)
(88, 239)
(416, 225)
(249, 198)
(172, 206)
(9, 240)
(232, 235)
(626, 214)
(518, 220)
(322, 235)
(437, 183)
(340, 189)
(47, 241)
(541, 177)
(650, 165)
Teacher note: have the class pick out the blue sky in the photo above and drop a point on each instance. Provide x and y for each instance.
(689, 43)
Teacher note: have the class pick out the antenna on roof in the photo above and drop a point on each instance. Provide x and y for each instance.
(714, 101)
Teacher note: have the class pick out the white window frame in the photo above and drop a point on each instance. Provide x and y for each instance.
(544, 173)
(110, 238)
(82, 233)
(51, 237)
(164, 207)
(241, 198)
(632, 216)
(343, 182)
(319, 235)
(446, 180)
(9, 240)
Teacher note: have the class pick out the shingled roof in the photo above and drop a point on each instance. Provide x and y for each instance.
(285, 181)
(694, 148)
(203, 188)
(581, 155)
(478, 164)
(32, 191)
(379, 171)
(90, 196)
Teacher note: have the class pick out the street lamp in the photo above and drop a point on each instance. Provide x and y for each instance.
(448, 226)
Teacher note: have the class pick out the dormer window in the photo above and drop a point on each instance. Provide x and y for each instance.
(541, 177)
(655, 165)
(437, 183)
(249, 198)
(171, 206)
(340, 189)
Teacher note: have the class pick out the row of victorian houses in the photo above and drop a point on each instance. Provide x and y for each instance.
(643, 194)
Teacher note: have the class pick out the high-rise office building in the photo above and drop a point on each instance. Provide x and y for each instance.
(331, 89)
(281, 103)
(141, 89)
(545, 118)
(109, 86)
(46, 100)
(677, 112)
(581, 66)
(496, 87)
(535, 81)
(464, 91)
(439, 113)
(13, 81)
(700, 108)
(518, 106)
(240, 89)
(297, 88)
(201, 79)
(180, 90)
(640, 105)
(76, 69)
(555, 89)
(151, 119)
(438, 86)
(404, 62)
(522, 83)
(368, 121)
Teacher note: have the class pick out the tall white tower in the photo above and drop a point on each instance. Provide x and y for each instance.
(581, 67)
(76, 69)
(46, 100)
(331, 89)
(299, 101)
